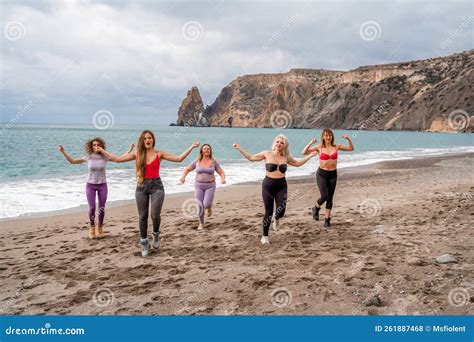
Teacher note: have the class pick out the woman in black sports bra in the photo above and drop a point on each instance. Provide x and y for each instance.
(274, 187)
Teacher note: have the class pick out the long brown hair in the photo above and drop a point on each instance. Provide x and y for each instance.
(89, 143)
(201, 155)
(140, 162)
(323, 142)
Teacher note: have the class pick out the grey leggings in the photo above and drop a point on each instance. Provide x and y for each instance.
(150, 191)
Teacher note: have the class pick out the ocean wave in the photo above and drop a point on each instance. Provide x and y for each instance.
(31, 196)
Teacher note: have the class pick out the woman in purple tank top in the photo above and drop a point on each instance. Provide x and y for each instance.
(96, 181)
(205, 183)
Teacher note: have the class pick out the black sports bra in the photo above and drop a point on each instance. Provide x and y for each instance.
(273, 167)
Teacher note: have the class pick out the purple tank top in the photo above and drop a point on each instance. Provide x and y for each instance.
(205, 174)
(96, 165)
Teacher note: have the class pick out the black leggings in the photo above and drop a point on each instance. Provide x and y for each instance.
(274, 190)
(326, 181)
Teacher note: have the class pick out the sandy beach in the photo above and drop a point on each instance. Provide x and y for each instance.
(390, 222)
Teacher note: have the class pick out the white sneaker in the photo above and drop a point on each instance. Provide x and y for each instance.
(264, 240)
(201, 226)
(276, 224)
(156, 240)
(144, 245)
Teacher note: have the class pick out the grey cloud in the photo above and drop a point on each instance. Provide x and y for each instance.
(132, 57)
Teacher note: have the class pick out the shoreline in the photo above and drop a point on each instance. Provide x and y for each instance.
(187, 126)
(59, 125)
(131, 202)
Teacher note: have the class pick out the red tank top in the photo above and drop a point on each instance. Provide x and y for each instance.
(152, 170)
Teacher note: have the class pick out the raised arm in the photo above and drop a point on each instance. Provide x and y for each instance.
(248, 156)
(308, 149)
(68, 157)
(177, 159)
(347, 148)
(301, 161)
(122, 159)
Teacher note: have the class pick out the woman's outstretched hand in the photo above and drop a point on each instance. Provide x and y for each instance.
(345, 136)
(313, 141)
(236, 146)
(61, 148)
(195, 144)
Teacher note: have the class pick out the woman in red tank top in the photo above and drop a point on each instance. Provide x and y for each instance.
(149, 193)
(326, 176)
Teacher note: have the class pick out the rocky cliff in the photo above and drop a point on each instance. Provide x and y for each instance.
(434, 94)
(191, 111)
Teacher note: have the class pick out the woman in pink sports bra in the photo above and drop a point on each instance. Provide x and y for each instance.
(326, 176)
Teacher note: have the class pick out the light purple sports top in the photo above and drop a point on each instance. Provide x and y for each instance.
(96, 164)
(205, 174)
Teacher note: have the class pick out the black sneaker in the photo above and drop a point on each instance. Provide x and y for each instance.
(327, 222)
(315, 211)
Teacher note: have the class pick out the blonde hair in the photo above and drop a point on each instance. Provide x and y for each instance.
(201, 154)
(286, 150)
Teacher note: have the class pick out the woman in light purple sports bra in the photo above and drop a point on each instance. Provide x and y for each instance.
(205, 183)
(96, 181)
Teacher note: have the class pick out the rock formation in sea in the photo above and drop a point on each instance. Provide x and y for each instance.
(428, 95)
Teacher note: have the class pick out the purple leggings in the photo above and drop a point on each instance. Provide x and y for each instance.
(101, 190)
(204, 193)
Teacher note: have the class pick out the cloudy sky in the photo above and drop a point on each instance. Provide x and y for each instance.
(63, 61)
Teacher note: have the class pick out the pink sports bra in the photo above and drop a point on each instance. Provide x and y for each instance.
(325, 156)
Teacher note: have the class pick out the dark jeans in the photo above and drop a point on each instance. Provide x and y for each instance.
(149, 194)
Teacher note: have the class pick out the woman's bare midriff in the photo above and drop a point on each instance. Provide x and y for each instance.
(274, 174)
(328, 165)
